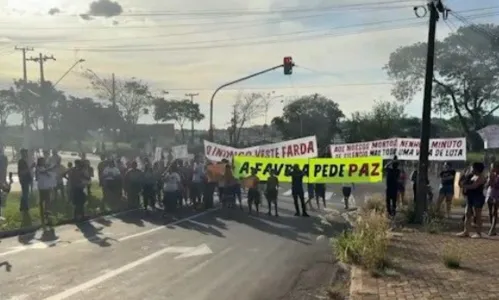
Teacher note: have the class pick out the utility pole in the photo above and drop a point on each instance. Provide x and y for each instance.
(41, 59)
(24, 50)
(434, 6)
(115, 108)
(234, 122)
(192, 95)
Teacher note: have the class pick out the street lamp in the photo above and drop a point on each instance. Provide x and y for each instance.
(79, 61)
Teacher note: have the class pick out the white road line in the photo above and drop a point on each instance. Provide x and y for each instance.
(27, 247)
(113, 273)
(328, 195)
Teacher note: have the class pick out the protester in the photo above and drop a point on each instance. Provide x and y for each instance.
(493, 197)
(198, 176)
(25, 179)
(402, 181)
(297, 190)
(253, 192)
(133, 185)
(392, 174)
(171, 190)
(4, 163)
(310, 194)
(446, 192)
(4, 192)
(56, 162)
(271, 192)
(78, 181)
(149, 184)
(346, 190)
(230, 185)
(44, 180)
(111, 182)
(475, 200)
(320, 192)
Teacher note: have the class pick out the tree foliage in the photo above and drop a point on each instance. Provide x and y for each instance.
(310, 115)
(179, 111)
(246, 109)
(466, 80)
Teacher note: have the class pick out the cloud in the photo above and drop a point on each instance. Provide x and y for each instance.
(54, 11)
(105, 8)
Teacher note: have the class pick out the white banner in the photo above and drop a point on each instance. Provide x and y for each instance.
(445, 149)
(490, 136)
(180, 152)
(299, 148)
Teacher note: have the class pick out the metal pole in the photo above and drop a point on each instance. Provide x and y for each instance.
(210, 136)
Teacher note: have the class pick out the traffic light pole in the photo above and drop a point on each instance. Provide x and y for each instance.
(210, 138)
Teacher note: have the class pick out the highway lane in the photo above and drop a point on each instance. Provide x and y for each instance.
(205, 256)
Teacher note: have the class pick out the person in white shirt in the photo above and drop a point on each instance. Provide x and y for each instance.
(111, 181)
(172, 193)
(45, 183)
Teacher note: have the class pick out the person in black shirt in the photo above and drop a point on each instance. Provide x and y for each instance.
(297, 190)
(25, 179)
(446, 192)
(392, 173)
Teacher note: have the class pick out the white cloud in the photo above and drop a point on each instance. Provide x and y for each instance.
(195, 51)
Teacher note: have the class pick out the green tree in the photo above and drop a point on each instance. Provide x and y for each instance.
(466, 82)
(179, 111)
(310, 115)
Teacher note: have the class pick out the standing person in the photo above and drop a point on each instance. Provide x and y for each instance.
(401, 188)
(253, 192)
(171, 190)
(346, 190)
(111, 182)
(89, 170)
(493, 197)
(44, 180)
(148, 188)
(297, 190)
(4, 163)
(25, 179)
(133, 185)
(4, 193)
(77, 181)
(271, 192)
(446, 191)
(320, 192)
(392, 173)
(311, 194)
(100, 169)
(414, 180)
(475, 200)
(197, 183)
(158, 169)
(56, 161)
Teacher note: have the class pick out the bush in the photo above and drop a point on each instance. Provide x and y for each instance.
(451, 256)
(366, 245)
(374, 203)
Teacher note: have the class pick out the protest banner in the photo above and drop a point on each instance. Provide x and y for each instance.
(316, 170)
(405, 148)
(299, 148)
(447, 149)
(180, 152)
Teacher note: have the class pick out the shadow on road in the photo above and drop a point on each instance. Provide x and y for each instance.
(93, 234)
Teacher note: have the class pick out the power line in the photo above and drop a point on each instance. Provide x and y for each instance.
(324, 12)
(291, 36)
(240, 42)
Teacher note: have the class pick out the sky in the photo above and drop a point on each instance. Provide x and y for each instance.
(194, 46)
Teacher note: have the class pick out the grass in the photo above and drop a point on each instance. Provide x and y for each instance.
(367, 243)
(451, 256)
(62, 210)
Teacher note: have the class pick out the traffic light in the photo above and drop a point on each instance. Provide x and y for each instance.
(288, 65)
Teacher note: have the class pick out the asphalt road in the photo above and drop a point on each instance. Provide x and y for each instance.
(206, 255)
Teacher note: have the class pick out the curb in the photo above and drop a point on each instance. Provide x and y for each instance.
(356, 273)
(32, 229)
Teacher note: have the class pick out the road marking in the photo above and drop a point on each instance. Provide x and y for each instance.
(44, 245)
(113, 273)
(328, 195)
